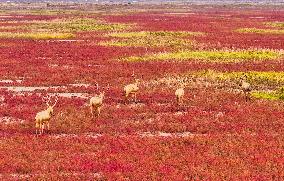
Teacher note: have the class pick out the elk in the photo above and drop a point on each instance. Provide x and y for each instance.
(132, 89)
(96, 103)
(246, 87)
(179, 93)
(42, 118)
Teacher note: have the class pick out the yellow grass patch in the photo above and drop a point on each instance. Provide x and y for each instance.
(177, 34)
(210, 56)
(169, 39)
(76, 25)
(36, 36)
(260, 31)
(266, 78)
(276, 24)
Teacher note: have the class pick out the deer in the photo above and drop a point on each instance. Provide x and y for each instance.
(42, 118)
(132, 89)
(179, 93)
(246, 87)
(96, 103)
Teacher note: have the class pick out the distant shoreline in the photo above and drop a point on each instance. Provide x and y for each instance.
(193, 2)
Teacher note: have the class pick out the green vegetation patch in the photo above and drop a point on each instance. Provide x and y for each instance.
(265, 95)
(48, 11)
(9, 28)
(260, 31)
(255, 78)
(151, 39)
(176, 34)
(58, 29)
(75, 25)
(36, 36)
(269, 78)
(271, 95)
(149, 42)
(211, 56)
(276, 24)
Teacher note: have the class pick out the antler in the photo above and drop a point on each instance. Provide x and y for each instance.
(56, 99)
(46, 99)
(243, 77)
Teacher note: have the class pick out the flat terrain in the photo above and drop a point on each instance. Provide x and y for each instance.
(214, 135)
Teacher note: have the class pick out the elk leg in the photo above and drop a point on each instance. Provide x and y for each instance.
(246, 95)
(178, 100)
(37, 127)
(47, 124)
(135, 98)
(92, 112)
(42, 128)
(99, 111)
(125, 98)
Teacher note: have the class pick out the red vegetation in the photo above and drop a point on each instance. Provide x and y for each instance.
(217, 24)
(229, 138)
